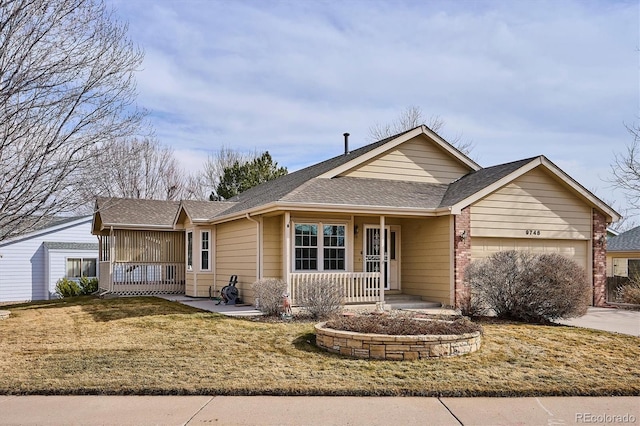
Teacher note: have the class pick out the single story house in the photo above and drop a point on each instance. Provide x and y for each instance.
(32, 264)
(623, 254)
(406, 214)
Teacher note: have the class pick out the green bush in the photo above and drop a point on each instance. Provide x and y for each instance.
(529, 287)
(67, 288)
(88, 285)
(269, 294)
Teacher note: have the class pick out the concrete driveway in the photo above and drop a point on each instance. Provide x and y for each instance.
(608, 319)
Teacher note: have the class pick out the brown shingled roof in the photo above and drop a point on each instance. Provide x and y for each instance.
(369, 192)
(134, 212)
(311, 186)
(205, 210)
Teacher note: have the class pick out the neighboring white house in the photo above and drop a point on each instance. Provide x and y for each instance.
(30, 265)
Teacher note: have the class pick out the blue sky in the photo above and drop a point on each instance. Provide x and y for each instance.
(518, 78)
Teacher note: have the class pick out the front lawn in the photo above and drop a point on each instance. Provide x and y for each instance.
(152, 346)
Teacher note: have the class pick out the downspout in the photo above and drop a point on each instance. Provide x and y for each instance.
(258, 245)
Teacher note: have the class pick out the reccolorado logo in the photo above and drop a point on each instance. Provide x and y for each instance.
(605, 418)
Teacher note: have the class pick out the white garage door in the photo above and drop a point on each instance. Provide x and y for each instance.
(574, 249)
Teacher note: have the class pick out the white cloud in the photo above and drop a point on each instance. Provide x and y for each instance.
(518, 78)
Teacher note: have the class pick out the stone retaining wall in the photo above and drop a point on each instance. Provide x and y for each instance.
(382, 346)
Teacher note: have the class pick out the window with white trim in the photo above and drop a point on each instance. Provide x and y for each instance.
(327, 253)
(633, 268)
(78, 267)
(334, 247)
(306, 247)
(205, 259)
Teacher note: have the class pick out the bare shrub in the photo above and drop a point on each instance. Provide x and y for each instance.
(529, 287)
(321, 298)
(469, 305)
(630, 293)
(269, 293)
(403, 325)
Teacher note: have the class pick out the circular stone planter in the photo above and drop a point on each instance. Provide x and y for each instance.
(404, 347)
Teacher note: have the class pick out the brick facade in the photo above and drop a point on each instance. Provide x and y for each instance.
(462, 252)
(599, 244)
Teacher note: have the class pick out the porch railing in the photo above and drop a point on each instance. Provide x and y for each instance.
(358, 287)
(147, 278)
(104, 275)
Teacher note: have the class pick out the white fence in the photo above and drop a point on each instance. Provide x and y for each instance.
(358, 287)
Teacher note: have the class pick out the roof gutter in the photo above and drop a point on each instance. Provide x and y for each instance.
(138, 225)
(338, 208)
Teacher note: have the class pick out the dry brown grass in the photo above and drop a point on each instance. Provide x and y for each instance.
(151, 346)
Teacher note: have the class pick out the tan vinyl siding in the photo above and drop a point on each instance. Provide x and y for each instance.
(235, 254)
(426, 259)
(272, 246)
(189, 288)
(417, 160)
(573, 249)
(532, 202)
(204, 281)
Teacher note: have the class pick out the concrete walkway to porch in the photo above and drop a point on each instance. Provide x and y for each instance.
(212, 305)
(244, 310)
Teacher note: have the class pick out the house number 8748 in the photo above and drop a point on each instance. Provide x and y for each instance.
(532, 232)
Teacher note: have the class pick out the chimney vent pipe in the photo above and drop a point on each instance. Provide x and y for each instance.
(346, 143)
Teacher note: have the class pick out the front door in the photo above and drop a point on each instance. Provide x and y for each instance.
(372, 254)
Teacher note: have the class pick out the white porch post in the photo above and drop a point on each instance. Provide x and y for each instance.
(287, 251)
(383, 271)
(112, 256)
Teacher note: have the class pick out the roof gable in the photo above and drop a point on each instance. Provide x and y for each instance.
(474, 182)
(390, 144)
(418, 159)
(200, 211)
(133, 213)
(281, 188)
(479, 184)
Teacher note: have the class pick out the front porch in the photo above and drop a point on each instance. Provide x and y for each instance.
(141, 262)
(359, 288)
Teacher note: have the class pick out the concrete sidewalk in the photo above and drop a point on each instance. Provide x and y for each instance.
(272, 410)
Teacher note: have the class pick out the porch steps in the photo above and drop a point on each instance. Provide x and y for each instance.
(407, 301)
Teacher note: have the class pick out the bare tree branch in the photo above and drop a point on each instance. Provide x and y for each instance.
(412, 117)
(66, 85)
(204, 185)
(625, 170)
(138, 168)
